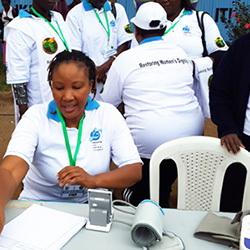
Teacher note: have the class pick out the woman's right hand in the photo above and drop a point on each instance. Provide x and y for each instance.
(12, 171)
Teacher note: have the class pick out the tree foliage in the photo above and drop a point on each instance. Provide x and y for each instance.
(239, 22)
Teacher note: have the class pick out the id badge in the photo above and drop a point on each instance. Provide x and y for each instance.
(74, 190)
(108, 51)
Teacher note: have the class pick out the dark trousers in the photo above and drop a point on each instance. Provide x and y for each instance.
(233, 185)
(140, 191)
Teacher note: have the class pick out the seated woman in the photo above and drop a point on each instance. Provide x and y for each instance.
(68, 141)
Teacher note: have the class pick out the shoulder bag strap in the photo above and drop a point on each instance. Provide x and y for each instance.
(201, 25)
(113, 9)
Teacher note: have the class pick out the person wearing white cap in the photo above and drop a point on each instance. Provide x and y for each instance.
(198, 35)
(154, 81)
(184, 29)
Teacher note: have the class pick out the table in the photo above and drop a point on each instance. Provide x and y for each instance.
(181, 222)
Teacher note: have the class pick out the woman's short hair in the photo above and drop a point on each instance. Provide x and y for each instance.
(147, 33)
(78, 57)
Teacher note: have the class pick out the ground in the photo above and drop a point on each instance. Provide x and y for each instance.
(7, 125)
(7, 119)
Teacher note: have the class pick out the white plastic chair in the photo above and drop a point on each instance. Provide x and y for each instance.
(201, 164)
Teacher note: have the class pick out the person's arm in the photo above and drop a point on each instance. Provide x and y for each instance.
(12, 171)
(121, 177)
(18, 73)
(113, 90)
(124, 154)
(221, 96)
(75, 30)
(216, 57)
(20, 93)
(215, 44)
(103, 69)
(224, 96)
(123, 40)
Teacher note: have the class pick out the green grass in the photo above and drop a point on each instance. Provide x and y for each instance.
(3, 85)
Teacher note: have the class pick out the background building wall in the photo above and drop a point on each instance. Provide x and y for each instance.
(23, 4)
(213, 7)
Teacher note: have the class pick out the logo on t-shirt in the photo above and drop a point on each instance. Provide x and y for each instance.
(128, 29)
(112, 23)
(186, 29)
(219, 42)
(50, 45)
(95, 138)
(95, 134)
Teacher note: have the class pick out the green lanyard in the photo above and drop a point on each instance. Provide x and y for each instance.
(99, 19)
(184, 13)
(61, 36)
(72, 161)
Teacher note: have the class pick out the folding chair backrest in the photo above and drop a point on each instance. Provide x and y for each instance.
(201, 164)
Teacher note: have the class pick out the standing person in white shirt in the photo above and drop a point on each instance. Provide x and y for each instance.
(100, 30)
(8, 15)
(64, 147)
(204, 48)
(33, 39)
(183, 30)
(198, 35)
(154, 81)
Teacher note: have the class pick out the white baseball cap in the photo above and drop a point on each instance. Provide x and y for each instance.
(149, 12)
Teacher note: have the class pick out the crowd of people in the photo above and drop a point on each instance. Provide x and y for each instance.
(69, 71)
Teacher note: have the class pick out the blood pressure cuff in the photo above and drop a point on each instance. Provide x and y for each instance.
(148, 230)
(168, 242)
(148, 224)
(238, 219)
(218, 229)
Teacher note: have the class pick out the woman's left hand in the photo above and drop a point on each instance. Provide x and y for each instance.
(70, 175)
